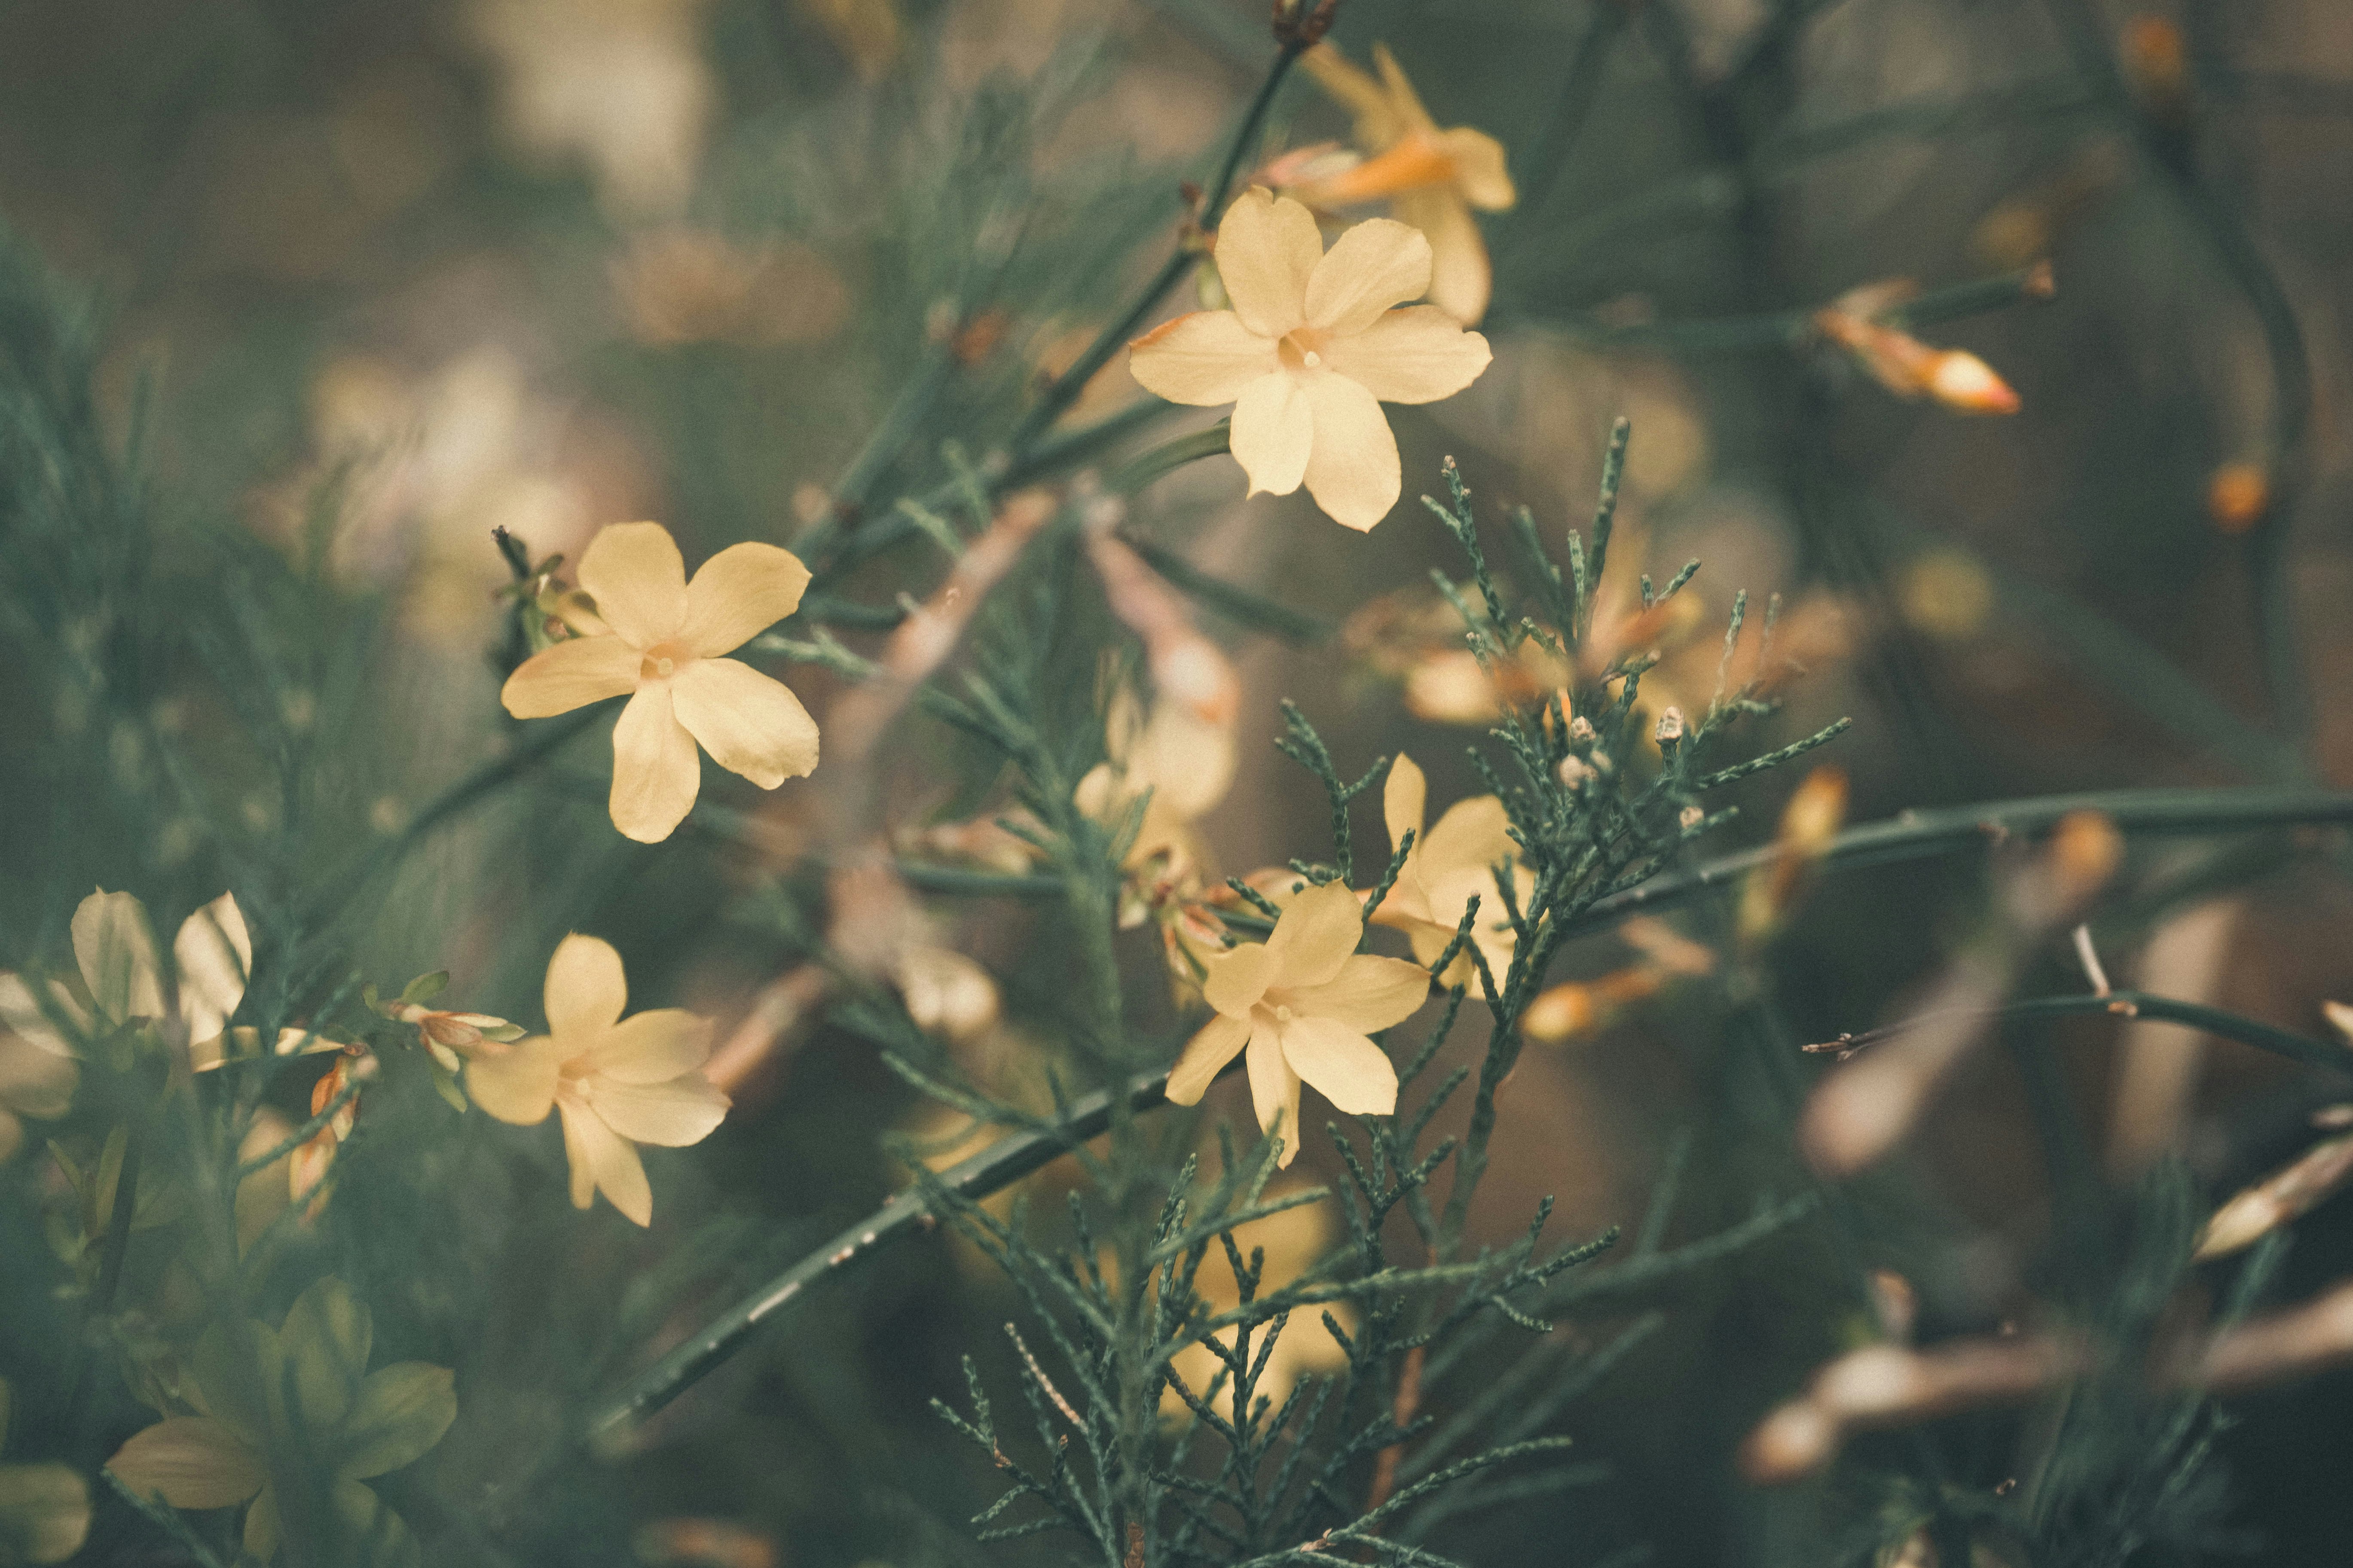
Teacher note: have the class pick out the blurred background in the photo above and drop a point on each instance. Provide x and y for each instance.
(378, 277)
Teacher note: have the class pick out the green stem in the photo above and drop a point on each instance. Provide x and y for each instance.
(2140, 1004)
(992, 1170)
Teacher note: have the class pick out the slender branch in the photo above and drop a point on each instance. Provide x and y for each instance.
(1917, 835)
(304, 1133)
(992, 1170)
(537, 745)
(2127, 1005)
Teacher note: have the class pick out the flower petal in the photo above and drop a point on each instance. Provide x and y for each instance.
(1268, 248)
(1461, 278)
(35, 1082)
(116, 950)
(193, 1460)
(1274, 1090)
(1404, 103)
(572, 674)
(635, 573)
(656, 774)
(1418, 354)
(1472, 835)
(1203, 359)
(1377, 121)
(1367, 994)
(1347, 1069)
(519, 1086)
(1405, 796)
(1274, 433)
(740, 592)
(750, 723)
(21, 1014)
(1314, 937)
(584, 991)
(211, 958)
(1481, 174)
(609, 1161)
(655, 1047)
(1378, 263)
(674, 1114)
(1238, 977)
(1352, 471)
(1206, 1056)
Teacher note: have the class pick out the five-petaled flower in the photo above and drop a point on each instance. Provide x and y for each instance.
(1311, 350)
(1432, 177)
(662, 645)
(618, 1083)
(1303, 1002)
(1446, 867)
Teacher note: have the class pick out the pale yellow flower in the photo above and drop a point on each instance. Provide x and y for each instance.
(1432, 177)
(121, 983)
(1303, 1002)
(1310, 352)
(618, 1083)
(301, 1393)
(662, 648)
(1444, 870)
(1180, 763)
(1293, 1241)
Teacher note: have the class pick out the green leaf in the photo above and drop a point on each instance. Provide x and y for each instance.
(424, 987)
(401, 1411)
(373, 1534)
(237, 1367)
(326, 1338)
(445, 1084)
(194, 1461)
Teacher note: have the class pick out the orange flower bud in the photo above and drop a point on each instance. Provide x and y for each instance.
(1966, 384)
(2238, 496)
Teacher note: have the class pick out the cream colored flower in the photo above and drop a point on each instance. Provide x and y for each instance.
(1432, 178)
(1311, 350)
(121, 983)
(301, 1393)
(1445, 868)
(618, 1083)
(662, 648)
(1303, 1002)
(1181, 764)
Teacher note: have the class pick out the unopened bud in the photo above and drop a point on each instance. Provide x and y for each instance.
(2086, 849)
(1580, 729)
(1560, 1013)
(2237, 497)
(1573, 771)
(1966, 384)
(1671, 727)
(1691, 816)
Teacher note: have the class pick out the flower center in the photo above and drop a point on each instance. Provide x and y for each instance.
(1301, 349)
(662, 661)
(1281, 1015)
